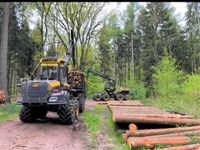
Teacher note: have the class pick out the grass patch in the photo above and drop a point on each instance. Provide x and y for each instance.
(93, 120)
(8, 111)
(115, 136)
(98, 119)
(179, 104)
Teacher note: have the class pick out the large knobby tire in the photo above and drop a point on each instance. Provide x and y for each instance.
(66, 115)
(27, 114)
(106, 97)
(81, 105)
(119, 97)
(97, 97)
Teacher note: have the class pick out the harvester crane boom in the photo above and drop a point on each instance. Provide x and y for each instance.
(70, 51)
(110, 83)
(97, 73)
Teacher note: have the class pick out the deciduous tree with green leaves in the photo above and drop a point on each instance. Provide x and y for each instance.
(167, 77)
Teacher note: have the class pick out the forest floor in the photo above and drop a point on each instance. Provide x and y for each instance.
(94, 131)
(46, 134)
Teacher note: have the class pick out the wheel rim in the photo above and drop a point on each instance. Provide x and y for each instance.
(120, 98)
(106, 98)
(98, 98)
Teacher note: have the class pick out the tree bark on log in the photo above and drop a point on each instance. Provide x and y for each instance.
(4, 48)
(155, 120)
(152, 142)
(155, 115)
(185, 147)
(151, 132)
(186, 133)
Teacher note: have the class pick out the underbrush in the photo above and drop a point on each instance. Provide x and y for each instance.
(8, 111)
(186, 101)
(94, 84)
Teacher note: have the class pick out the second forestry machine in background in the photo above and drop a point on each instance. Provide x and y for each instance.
(109, 87)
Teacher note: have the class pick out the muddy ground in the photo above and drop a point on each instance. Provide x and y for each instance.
(46, 134)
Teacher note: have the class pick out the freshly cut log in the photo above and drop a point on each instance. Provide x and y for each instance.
(152, 111)
(127, 134)
(135, 142)
(186, 133)
(154, 120)
(132, 127)
(184, 147)
(141, 108)
(125, 103)
(102, 102)
(159, 115)
(150, 132)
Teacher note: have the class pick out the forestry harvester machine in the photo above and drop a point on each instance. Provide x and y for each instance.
(52, 88)
(109, 87)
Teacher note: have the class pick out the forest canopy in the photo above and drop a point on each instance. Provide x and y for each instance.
(133, 46)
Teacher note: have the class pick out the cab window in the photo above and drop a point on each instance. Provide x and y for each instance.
(48, 72)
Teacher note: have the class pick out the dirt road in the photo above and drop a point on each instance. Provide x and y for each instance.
(46, 134)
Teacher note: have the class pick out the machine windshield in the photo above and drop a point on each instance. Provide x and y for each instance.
(48, 72)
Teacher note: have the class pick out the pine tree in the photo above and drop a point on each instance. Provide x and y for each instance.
(129, 18)
(104, 50)
(193, 32)
(158, 29)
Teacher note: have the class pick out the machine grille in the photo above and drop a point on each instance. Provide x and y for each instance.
(37, 90)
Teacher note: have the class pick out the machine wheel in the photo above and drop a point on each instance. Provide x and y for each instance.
(97, 97)
(27, 114)
(66, 115)
(106, 97)
(119, 97)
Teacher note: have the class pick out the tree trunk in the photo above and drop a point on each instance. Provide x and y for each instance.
(132, 57)
(4, 48)
(129, 69)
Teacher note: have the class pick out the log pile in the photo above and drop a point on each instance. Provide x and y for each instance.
(135, 113)
(76, 79)
(169, 136)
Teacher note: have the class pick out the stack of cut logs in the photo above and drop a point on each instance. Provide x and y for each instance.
(169, 136)
(133, 112)
(76, 79)
(2, 96)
